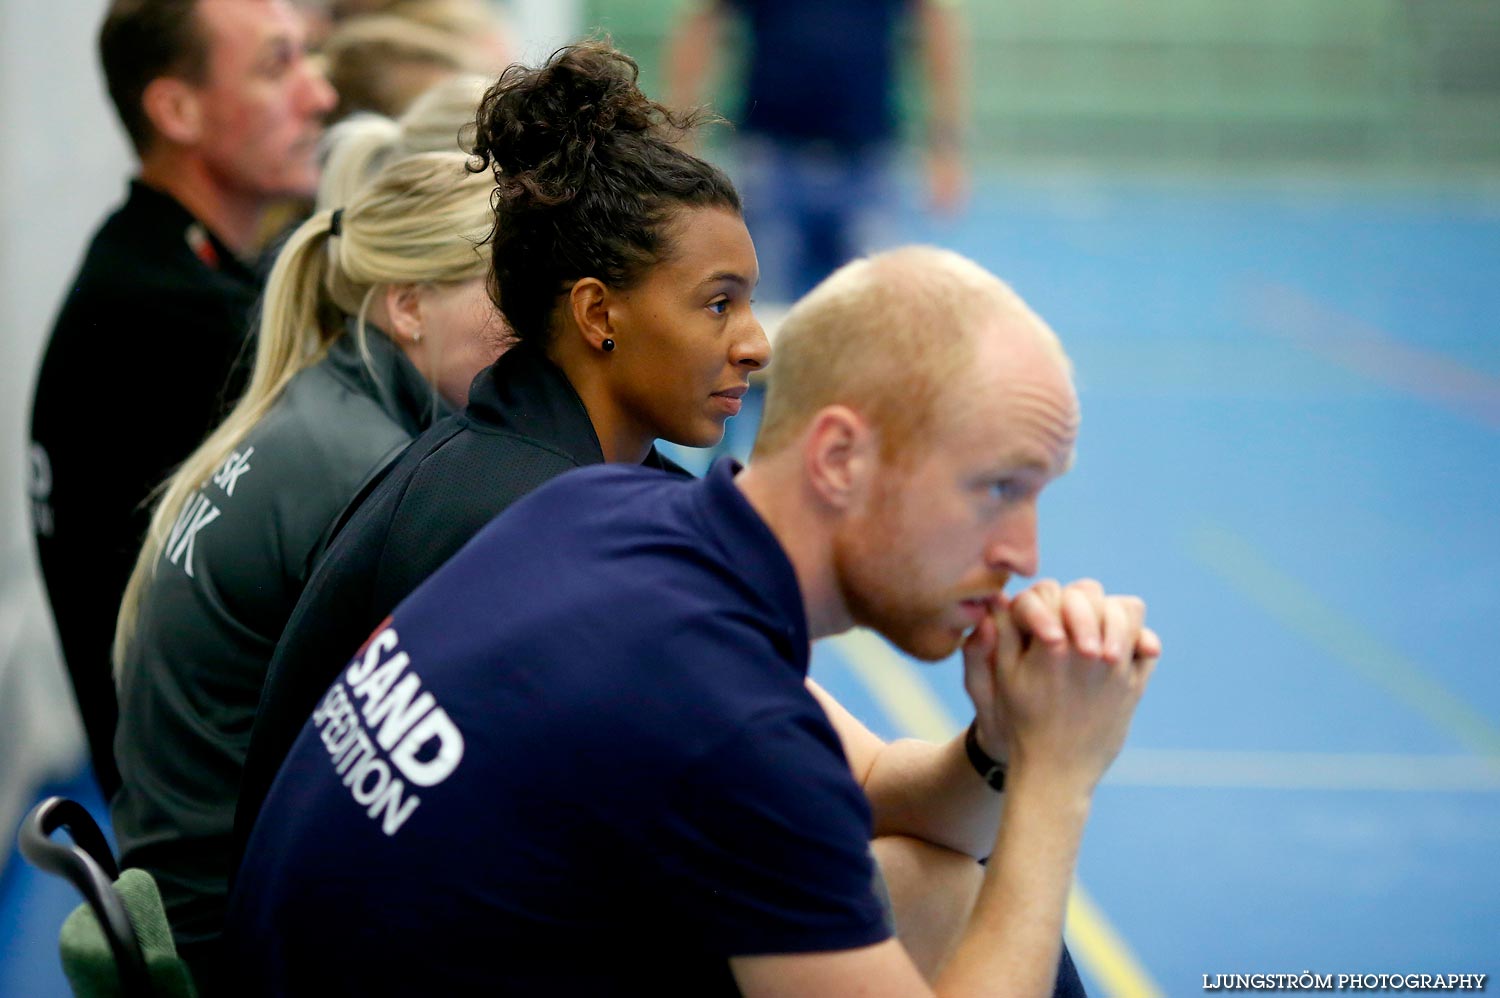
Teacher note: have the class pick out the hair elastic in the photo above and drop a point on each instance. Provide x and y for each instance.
(336, 222)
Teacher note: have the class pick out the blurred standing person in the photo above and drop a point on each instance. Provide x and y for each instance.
(225, 113)
(818, 126)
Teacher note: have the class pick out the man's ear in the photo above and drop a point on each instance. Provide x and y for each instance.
(840, 454)
(588, 302)
(175, 109)
(403, 304)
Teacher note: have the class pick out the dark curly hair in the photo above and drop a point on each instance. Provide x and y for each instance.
(588, 176)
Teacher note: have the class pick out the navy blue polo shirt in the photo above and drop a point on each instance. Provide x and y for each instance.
(822, 70)
(579, 759)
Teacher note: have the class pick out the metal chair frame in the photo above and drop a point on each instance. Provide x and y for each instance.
(89, 864)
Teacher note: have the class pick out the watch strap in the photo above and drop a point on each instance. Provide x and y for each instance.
(990, 770)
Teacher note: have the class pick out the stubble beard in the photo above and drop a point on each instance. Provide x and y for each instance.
(879, 579)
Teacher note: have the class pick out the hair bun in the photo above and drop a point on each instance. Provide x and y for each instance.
(543, 129)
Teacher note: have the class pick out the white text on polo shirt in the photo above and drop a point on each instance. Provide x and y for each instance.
(398, 736)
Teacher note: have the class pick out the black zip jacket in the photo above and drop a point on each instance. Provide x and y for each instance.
(138, 369)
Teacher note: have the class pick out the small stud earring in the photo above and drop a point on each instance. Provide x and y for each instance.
(608, 344)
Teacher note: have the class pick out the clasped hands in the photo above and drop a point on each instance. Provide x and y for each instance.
(1055, 674)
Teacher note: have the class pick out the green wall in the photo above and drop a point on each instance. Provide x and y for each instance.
(1384, 85)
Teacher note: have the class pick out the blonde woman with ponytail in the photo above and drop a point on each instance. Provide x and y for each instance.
(375, 320)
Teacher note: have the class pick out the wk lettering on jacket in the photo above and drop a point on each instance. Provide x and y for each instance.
(197, 514)
(200, 511)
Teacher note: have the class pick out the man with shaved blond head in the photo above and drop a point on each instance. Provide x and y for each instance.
(599, 723)
(892, 331)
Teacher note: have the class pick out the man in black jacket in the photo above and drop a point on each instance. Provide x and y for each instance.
(224, 111)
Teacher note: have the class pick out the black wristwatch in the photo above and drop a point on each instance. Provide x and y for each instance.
(990, 770)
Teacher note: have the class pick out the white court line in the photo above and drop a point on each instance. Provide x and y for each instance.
(1229, 770)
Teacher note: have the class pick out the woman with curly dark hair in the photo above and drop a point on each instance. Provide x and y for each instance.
(625, 272)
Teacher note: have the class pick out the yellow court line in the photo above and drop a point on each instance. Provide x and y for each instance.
(1096, 942)
(897, 685)
(1298, 607)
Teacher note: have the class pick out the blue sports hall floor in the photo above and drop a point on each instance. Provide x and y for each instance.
(1291, 448)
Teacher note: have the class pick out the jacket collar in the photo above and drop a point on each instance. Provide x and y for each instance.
(385, 375)
(525, 394)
